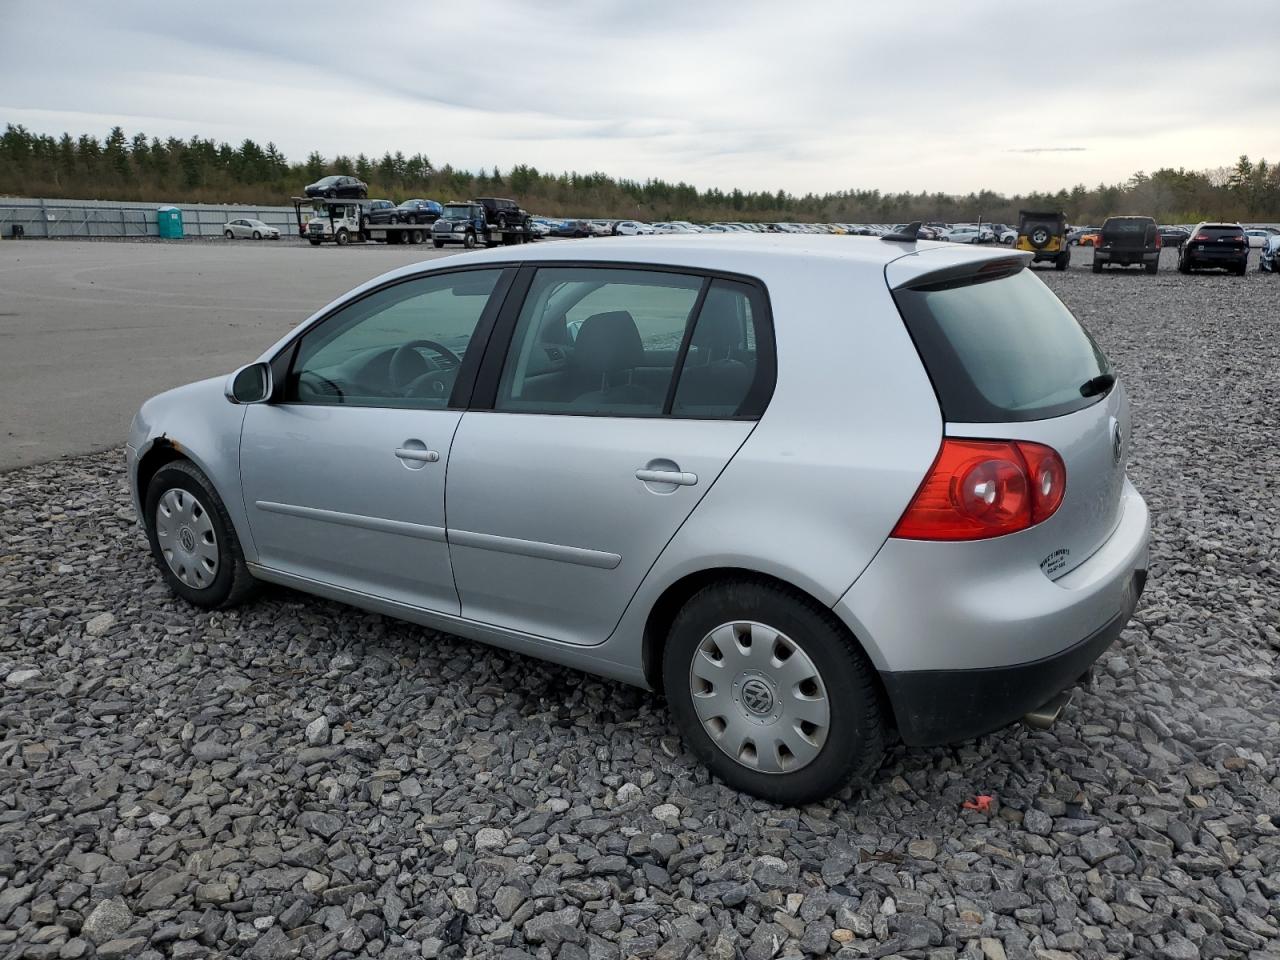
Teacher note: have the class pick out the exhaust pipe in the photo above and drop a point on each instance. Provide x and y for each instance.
(1044, 716)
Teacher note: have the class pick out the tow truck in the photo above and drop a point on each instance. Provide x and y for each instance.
(340, 221)
(344, 221)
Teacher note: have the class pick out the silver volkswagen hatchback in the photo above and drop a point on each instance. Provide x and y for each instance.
(814, 489)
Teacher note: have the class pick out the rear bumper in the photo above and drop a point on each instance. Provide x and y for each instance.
(943, 706)
(1127, 256)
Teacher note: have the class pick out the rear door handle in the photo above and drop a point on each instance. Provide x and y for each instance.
(678, 477)
(413, 453)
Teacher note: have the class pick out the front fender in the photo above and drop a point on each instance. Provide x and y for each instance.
(199, 423)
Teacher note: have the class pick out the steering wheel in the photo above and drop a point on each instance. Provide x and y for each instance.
(407, 365)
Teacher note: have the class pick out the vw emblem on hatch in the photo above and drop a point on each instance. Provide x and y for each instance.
(1117, 443)
(757, 697)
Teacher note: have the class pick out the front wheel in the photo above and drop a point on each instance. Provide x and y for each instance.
(343, 238)
(772, 693)
(192, 539)
(315, 243)
(437, 244)
(469, 241)
(257, 235)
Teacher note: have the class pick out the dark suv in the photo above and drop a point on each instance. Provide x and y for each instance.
(503, 213)
(1128, 240)
(1222, 245)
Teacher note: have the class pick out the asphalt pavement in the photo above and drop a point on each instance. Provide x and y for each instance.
(89, 330)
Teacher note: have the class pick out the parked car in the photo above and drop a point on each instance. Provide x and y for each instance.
(1089, 238)
(632, 228)
(974, 578)
(1128, 240)
(1221, 245)
(1173, 236)
(1258, 235)
(967, 233)
(675, 226)
(249, 229)
(1076, 234)
(540, 226)
(332, 187)
(1043, 234)
(380, 211)
(601, 228)
(420, 211)
(1269, 255)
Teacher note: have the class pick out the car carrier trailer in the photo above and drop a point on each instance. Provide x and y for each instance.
(343, 221)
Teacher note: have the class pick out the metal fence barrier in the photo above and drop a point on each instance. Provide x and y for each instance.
(107, 218)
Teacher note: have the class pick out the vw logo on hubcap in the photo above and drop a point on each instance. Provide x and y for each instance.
(757, 697)
(188, 539)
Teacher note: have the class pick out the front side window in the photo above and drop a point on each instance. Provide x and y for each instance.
(401, 346)
(606, 341)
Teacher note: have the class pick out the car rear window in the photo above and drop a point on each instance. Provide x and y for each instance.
(1002, 350)
(1213, 233)
(1127, 226)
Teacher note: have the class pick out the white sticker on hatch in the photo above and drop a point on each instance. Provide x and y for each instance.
(1054, 561)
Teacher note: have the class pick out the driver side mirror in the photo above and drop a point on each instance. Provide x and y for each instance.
(251, 384)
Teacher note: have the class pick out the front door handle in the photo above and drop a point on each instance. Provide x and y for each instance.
(417, 454)
(678, 477)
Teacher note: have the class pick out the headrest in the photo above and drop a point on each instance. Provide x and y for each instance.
(608, 343)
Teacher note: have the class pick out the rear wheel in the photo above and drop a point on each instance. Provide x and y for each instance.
(192, 539)
(228, 234)
(1097, 265)
(772, 693)
(1062, 260)
(1184, 266)
(1153, 266)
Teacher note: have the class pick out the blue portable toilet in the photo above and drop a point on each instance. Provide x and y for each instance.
(169, 221)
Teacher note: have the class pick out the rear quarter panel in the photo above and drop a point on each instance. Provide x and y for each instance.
(852, 428)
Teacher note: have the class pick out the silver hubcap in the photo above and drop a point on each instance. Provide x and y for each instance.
(759, 697)
(187, 540)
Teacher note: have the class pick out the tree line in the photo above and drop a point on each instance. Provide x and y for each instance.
(148, 169)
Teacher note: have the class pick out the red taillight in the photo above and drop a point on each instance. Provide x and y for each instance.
(1202, 238)
(1158, 241)
(979, 489)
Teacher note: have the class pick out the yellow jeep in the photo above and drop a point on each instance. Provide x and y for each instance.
(1044, 236)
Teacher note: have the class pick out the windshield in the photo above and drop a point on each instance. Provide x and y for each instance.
(456, 211)
(1002, 350)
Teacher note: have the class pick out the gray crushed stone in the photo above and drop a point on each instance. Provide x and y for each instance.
(299, 779)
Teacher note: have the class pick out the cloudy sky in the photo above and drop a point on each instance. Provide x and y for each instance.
(804, 96)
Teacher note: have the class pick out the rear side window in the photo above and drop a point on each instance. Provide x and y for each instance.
(1002, 350)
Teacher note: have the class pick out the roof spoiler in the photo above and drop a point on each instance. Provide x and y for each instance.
(908, 234)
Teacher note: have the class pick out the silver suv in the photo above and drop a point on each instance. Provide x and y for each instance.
(814, 489)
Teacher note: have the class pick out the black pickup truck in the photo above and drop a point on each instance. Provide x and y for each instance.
(1128, 240)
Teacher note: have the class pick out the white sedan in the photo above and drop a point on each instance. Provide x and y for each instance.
(1258, 236)
(249, 230)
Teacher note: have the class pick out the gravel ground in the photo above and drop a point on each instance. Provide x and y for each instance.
(297, 778)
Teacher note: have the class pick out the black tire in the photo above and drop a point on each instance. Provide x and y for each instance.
(854, 746)
(1153, 266)
(1184, 267)
(257, 235)
(315, 243)
(469, 240)
(1039, 237)
(228, 234)
(232, 584)
(1242, 269)
(1097, 265)
(437, 244)
(1062, 260)
(342, 238)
